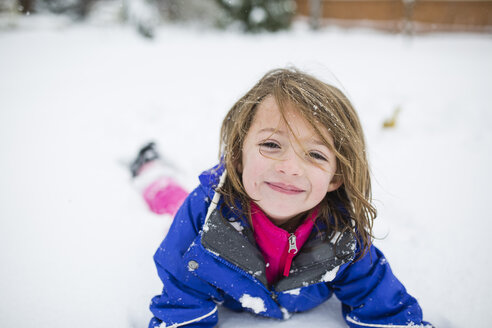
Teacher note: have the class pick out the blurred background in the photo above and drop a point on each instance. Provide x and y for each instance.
(395, 16)
(84, 84)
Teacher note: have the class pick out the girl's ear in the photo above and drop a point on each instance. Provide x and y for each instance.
(335, 183)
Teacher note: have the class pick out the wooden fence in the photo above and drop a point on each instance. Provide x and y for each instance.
(405, 15)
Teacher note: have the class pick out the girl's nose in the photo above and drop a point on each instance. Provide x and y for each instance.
(290, 165)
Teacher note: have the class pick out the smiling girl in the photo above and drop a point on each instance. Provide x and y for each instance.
(284, 220)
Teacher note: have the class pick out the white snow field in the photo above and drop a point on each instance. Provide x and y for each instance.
(78, 100)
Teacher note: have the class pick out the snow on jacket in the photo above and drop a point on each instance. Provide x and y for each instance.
(210, 257)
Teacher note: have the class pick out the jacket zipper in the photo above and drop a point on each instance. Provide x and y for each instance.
(290, 253)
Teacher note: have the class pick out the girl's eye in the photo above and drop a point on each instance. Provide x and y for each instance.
(270, 144)
(317, 156)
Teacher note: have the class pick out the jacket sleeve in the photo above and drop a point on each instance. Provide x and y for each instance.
(185, 300)
(372, 296)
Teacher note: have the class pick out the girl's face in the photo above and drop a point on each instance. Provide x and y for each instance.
(283, 175)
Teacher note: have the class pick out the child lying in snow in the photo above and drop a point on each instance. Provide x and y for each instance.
(283, 221)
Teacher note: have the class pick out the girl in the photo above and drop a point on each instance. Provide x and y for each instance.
(284, 220)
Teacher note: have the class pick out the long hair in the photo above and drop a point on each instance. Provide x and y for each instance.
(349, 207)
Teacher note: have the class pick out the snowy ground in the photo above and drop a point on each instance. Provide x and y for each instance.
(76, 240)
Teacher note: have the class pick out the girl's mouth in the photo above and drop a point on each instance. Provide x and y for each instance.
(284, 188)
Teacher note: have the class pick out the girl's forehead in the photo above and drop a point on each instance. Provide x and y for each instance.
(268, 114)
(269, 110)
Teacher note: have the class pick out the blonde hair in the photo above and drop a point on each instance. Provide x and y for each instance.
(349, 207)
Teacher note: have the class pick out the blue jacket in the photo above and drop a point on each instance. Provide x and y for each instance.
(208, 259)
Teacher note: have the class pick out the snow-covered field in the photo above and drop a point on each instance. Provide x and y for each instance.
(76, 240)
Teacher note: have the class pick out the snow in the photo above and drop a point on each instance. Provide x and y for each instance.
(295, 291)
(330, 275)
(237, 225)
(254, 303)
(257, 15)
(77, 100)
(285, 314)
(255, 273)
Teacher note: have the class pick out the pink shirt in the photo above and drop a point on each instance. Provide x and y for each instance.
(276, 244)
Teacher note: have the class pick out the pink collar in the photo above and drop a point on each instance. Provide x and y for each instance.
(276, 244)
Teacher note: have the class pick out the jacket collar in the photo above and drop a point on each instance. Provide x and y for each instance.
(317, 261)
